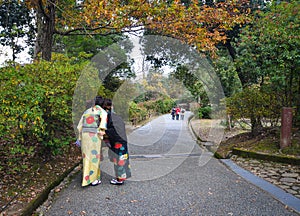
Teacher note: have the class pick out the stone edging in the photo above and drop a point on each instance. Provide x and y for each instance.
(191, 127)
(262, 156)
(275, 190)
(249, 154)
(40, 199)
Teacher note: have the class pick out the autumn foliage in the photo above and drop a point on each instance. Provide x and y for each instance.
(199, 25)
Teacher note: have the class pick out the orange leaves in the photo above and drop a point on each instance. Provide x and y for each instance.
(202, 26)
(35, 4)
(32, 3)
(106, 15)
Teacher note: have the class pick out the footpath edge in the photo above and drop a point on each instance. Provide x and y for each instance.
(287, 199)
(43, 196)
(284, 197)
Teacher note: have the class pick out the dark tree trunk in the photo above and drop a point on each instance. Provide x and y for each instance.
(45, 30)
(256, 125)
(232, 53)
(230, 49)
(297, 115)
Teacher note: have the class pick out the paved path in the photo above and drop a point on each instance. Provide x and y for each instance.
(172, 175)
(283, 175)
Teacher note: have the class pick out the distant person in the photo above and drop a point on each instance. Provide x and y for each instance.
(91, 128)
(173, 111)
(177, 112)
(182, 113)
(118, 151)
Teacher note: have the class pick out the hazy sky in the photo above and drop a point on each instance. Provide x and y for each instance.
(6, 54)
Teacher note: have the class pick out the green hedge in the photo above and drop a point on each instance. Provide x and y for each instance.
(204, 112)
(143, 110)
(36, 104)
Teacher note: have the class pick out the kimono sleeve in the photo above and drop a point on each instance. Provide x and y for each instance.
(79, 128)
(116, 129)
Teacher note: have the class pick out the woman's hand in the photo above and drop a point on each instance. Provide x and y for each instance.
(101, 133)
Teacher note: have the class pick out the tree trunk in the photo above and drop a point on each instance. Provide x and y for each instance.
(230, 49)
(45, 30)
(232, 53)
(297, 115)
(256, 125)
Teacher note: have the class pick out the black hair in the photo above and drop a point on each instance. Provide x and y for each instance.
(107, 103)
(99, 100)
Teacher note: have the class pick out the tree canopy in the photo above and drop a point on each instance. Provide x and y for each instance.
(200, 25)
(268, 56)
(268, 51)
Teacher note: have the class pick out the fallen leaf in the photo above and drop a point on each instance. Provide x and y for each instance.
(83, 213)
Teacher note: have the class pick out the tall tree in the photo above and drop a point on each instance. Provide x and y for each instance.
(268, 53)
(202, 26)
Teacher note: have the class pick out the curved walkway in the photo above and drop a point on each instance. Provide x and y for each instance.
(282, 180)
(172, 175)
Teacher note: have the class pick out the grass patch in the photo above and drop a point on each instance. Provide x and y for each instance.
(294, 149)
(267, 145)
(268, 142)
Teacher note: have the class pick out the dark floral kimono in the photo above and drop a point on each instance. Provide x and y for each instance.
(118, 151)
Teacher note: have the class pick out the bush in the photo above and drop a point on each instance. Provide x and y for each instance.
(143, 110)
(164, 105)
(261, 108)
(204, 112)
(137, 112)
(37, 103)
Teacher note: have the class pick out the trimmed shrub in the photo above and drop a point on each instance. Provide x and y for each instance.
(37, 103)
(204, 112)
(262, 109)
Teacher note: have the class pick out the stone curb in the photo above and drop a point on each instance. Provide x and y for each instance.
(262, 156)
(41, 198)
(249, 154)
(284, 197)
(193, 130)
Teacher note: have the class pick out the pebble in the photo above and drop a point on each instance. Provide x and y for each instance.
(285, 176)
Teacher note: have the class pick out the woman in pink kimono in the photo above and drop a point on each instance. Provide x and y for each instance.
(91, 128)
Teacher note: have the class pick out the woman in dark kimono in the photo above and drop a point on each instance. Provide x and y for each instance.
(118, 151)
